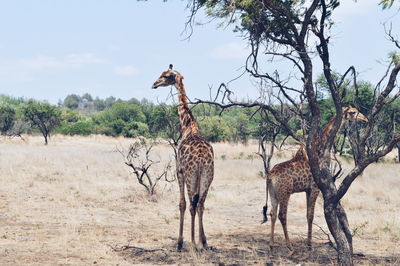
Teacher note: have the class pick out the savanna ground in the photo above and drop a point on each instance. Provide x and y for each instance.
(74, 202)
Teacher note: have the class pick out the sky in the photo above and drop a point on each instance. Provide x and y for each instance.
(52, 48)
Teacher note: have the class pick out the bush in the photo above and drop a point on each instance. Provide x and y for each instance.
(7, 118)
(215, 129)
(135, 129)
(78, 128)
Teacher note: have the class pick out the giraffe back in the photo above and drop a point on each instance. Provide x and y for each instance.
(196, 162)
(292, 176)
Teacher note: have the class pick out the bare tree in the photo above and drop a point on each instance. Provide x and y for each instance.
(138, 158)
(298, 32)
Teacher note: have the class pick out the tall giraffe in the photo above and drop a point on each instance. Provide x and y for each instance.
(295, 176)
(195, 164)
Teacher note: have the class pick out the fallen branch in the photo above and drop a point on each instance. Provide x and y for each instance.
(328, 236)
(139, 249)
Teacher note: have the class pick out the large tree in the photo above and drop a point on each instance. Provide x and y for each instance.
(298, 33)
(43, 116)
(7, 118)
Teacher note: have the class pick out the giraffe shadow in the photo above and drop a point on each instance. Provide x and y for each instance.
(244, 248)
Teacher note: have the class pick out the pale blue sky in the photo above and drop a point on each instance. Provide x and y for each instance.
(52, 48)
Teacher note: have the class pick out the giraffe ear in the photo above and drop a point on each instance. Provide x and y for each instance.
(350, 106)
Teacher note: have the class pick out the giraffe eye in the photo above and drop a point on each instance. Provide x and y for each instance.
(352, 113)
(169, 78)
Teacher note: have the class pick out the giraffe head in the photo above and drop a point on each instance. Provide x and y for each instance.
(167, 78)
(301, 153)
(351, 113)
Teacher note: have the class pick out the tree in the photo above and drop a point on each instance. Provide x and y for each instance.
(88, 97)
(295, 31)
(122, 119)
(7, 118)
(72, 101)
(43, 116)
(139, 159)
(386, 3)
(163, 122)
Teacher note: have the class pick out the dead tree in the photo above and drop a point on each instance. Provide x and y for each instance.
(138, 158)
(297, 33)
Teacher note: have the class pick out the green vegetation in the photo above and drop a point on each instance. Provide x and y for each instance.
(85, 115)
(42, 116)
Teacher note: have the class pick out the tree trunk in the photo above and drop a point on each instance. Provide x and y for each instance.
(398, 152)
(341, 214)
(335, 216)
(342, 244)
(45, 139)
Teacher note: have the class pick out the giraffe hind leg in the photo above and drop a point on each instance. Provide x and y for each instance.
(311, 200)
(182, 208)
(273, 214)
(202, 235)
(193, 206)
(204, 184)
(283, 205)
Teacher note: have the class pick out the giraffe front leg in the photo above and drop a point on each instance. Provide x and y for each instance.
(182, 208)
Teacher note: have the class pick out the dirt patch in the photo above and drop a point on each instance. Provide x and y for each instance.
(246, 249)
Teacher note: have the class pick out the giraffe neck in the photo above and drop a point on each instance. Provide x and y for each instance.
(329, 127)
(188, 123)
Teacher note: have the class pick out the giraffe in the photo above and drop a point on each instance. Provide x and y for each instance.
(295, 176)
(195, 162)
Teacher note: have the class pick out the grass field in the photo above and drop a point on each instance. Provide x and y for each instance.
(74, 202)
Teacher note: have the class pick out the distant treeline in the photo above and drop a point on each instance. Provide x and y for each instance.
(85, 115)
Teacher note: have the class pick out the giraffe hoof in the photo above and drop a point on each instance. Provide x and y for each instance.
(291, 253)
(207, 247)
(179, 247)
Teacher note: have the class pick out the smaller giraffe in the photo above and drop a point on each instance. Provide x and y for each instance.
(195, 162)
(295, 176)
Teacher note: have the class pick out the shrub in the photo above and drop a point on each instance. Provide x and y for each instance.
(78, 128)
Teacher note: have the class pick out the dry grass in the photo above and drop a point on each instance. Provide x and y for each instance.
(70, 202)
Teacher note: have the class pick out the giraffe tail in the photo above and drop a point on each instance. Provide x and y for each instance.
(265, 207)
(195, 200)
(196, 196)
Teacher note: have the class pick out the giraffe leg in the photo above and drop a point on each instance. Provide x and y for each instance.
(193, 215)
(182, 208)
(311, 200)
(273, 214)
(202, 235)
(283, 205)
